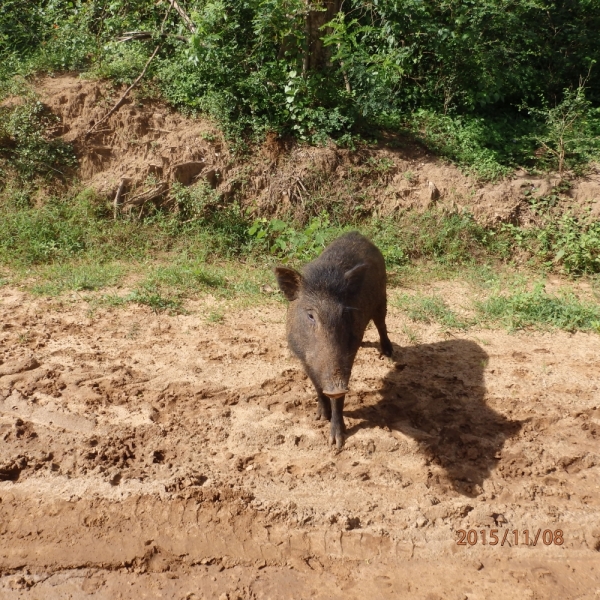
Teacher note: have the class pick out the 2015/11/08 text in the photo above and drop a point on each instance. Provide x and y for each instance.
(492, 537)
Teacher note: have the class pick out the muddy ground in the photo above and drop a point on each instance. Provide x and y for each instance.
(155, 456)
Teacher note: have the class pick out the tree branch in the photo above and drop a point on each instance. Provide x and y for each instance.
(189, 23)
(139, 78)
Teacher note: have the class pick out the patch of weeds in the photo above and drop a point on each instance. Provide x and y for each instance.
(153, 298)
(485, 276)
(286, 241)
(112, 300)
(469, 141)
(446, 239)
(379, 166)
(208, 136)
(567, 138)
(134, 331)
(542, 204)
(538, 309)
(194, 203)
(121, 63)
(412, 336)
(185, 277)
(430, 309)
(24, 338)
(215, 316)
(567, 243)
(27, 144)
(75, 277)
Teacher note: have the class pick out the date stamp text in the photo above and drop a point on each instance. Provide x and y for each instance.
(493, 537)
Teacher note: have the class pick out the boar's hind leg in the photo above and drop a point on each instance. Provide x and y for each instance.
(336, 435)
(324, 407)
(379, 320)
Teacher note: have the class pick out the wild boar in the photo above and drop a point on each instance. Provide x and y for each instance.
(331, 304)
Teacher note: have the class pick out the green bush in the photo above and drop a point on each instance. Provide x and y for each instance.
(457, 73)
(568, 243)
(26, 143)
(286, 241)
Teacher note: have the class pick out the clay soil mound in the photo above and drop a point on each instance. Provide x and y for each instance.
(147, 456)
(147, 146)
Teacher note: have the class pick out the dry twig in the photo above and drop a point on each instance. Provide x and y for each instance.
(118, 195)
(190, 25)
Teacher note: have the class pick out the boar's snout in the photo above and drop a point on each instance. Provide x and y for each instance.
(335, 393)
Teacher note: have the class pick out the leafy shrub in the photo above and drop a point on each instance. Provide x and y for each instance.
(568, 242)
(456, 72)
(287, 242)
(27, 144)
(569, 135)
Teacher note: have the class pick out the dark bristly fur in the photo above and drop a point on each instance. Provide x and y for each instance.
(331, 303)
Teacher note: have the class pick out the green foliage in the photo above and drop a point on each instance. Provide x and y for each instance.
(458, 54)
(455, 72)
(481, 145)
(199, 216)
(430, 309)
(26, 142)
(565, 242)
(215, 316)
(287, 242)
(537, 308)
(77, 226)
(444, 238)
(570, 136)
(186, 276)
(43, 235)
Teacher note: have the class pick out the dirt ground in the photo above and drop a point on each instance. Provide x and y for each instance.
(155, 456)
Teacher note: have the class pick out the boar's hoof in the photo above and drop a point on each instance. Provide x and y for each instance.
(323, 410)
(336, 435)
(386, 348)
(323, 414)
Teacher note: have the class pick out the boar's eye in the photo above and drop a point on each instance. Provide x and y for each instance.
(311, 317)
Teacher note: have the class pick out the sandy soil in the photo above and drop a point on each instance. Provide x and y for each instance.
(149, 456)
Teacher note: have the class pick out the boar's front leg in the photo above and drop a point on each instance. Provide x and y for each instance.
(379, 319)
(336, 435)
(324, 406)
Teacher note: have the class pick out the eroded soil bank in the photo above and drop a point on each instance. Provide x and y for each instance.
(145, 147)
(152, 456)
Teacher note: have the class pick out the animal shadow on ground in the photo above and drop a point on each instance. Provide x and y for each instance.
(436, 394)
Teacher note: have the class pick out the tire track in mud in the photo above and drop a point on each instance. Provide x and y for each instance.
(146, 443)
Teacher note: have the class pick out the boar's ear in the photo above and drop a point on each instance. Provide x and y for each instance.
(288, 281)
(354, 275)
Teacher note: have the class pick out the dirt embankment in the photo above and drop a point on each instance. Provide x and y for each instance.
(148, 146)
(178, 459)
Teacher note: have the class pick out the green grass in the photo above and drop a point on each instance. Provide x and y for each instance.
(215, 316)
(430, 309)
(71, 243)
(538, 309)
(55, 279)
(510, 303)
(156, 300)
(186, 276)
